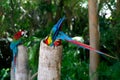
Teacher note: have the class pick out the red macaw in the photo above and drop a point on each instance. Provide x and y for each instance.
(14, 44)
(63, 36)
(57, 34)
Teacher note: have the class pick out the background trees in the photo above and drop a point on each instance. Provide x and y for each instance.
(38, 16)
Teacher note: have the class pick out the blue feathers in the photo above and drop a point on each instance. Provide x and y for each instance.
(63, 36)
(14, 48)
(55, 30)
(57, 26)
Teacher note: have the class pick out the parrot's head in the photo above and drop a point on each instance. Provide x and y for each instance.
(19, 34)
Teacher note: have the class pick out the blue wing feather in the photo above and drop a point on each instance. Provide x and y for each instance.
(55, 30)
(63, 36)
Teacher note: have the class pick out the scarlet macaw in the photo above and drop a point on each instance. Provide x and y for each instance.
(14, 45)
(63, 36)
(57, 34)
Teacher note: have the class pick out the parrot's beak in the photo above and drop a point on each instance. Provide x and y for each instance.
(25, 33)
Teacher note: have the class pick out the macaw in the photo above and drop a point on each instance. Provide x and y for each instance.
(14, 45)
(57, 34)
(63, 36)
(51, 39)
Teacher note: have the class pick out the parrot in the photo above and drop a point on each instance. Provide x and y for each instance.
(14, 45)
(65, 37)
(56, 35)
(51, 39)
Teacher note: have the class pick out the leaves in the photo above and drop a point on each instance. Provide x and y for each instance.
(33, 15)
(4, 74)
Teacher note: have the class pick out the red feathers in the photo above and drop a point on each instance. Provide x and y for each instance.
(46, 41)
(57, 43)
(18, 35)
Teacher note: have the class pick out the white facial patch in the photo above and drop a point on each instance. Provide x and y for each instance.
(25, 34)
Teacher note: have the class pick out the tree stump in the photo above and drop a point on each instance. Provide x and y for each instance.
(12, 74)
(21, 72)
(49, 62)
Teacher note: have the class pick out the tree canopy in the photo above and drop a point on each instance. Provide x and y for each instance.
(39, 16)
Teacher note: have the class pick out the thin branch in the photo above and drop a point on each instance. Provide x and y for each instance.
(34, 75)
(109, 6)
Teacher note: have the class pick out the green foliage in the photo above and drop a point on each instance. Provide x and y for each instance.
(33, 51)
(109, 73)
(32, 15)
(4, 74)
(33, 57)
(73, 68)
(109, 36)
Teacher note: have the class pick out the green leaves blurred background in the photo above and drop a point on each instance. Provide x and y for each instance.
(39, 16)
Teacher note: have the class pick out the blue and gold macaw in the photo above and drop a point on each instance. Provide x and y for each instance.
(56, 34)
(14, 45)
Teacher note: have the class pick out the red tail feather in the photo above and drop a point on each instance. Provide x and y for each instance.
(90, 48)
(81, 44)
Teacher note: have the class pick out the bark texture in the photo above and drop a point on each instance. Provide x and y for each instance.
(49, 62)
(12, 74)
(21, 72)
(94, 38)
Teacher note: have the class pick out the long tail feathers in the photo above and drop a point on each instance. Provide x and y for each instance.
(89, 48)
(63, 36)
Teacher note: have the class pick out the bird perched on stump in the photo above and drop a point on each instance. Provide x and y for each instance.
(56, 35)
(17, 40)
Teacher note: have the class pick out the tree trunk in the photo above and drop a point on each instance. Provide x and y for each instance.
(59, 10)
(12, 74)
(21, 72)
(118, 8)
(116, 16)
(49, 62)
(94, 38)
(117, 20)
(49, 13)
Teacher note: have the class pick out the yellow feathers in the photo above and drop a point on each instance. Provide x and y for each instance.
(49, 40)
